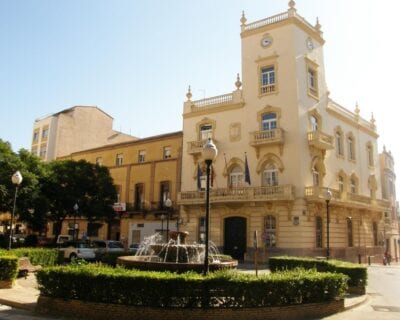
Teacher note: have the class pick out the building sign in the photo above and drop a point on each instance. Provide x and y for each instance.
(119, 206)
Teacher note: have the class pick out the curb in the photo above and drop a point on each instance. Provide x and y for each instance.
(365, 300)
(18, 305)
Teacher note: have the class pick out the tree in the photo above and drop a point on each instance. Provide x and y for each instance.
(29, 193)
(79, 182)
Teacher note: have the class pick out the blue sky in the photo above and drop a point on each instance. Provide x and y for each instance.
(135, 59)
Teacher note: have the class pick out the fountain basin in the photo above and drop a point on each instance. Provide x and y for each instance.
(153, 263)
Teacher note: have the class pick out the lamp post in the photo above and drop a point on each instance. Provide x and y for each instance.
(168, 205)
(16, 179)
(209, 153)
(76, 208)
(328, 197)
(162, 217)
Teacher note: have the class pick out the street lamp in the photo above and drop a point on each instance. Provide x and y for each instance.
(168, 204)
(328, 197)
(209, 153)
(162, 217)
(16, 179)
(76, 208)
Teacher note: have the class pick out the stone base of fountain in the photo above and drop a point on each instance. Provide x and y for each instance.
(153, 263)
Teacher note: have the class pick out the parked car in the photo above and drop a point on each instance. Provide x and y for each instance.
(104, 246)
(133, 248)
(63, 238)
(78, 249)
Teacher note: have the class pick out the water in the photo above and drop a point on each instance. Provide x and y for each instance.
(153, 248)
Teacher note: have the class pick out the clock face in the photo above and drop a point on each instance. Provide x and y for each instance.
(266, 41)
(310, 44)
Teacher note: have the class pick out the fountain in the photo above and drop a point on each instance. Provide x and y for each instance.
(175, 255)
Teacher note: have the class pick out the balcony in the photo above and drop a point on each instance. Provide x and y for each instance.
(320, 140)
(195, 147)
(318, 193)
(267, 137)
(240, 194)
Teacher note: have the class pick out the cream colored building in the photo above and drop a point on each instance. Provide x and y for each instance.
(298, 142)
(73, 129)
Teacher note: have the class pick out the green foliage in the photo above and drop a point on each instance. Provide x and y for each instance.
(8, 268)
(223, 289)
(357, 273)
(81, 182)
(37, 256)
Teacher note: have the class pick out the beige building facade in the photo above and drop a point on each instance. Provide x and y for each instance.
(146, 173)
(282, 127)
(73, 129)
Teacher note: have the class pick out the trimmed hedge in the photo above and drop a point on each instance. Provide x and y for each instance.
(37, 256)
(223, 289)
(357, 274)
(8, 268)
(110, 258)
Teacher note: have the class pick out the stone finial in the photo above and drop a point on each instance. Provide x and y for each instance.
(317, 25)
(243, 19)
(357, 109)
(292, 4)
(238, 83)
(372, 119)
(189, 94)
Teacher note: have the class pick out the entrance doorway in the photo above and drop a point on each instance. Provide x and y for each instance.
(235, 237)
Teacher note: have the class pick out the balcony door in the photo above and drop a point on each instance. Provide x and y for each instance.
(235, 237)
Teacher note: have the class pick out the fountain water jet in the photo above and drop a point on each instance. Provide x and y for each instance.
(175, 255)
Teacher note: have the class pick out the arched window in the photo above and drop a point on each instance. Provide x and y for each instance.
(318, 232)
(349, 232)
(270, 176)
(351, 148)
(206, 131)
(341, 184)
(370, 155)
(353, 185)
(375, 233)
(236, 177)
(269, 235)
(268, 121)
(314, 123)
(339, 143)
(316, 177)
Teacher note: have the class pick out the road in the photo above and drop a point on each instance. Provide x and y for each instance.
(384, 296)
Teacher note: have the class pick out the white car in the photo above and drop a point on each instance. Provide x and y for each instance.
(78, 249)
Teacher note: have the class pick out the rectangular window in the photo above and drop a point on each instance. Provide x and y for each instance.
(35, 136)
(139, 196)
(93, 229)
(141, 156)
(267, 79)
(119, 159)
(312, 82)
(167, 152)
(118, 189)
(99, 161)
(43, 151)
(34, 151)
(339, 147)
(45, 133)
(370, 156)
(164, 193)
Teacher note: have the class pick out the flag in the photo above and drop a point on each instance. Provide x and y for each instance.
(246, 170)
(199, 174)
